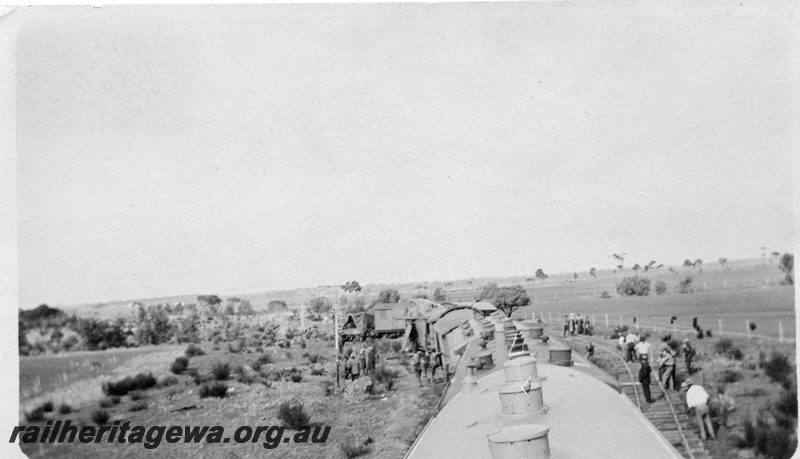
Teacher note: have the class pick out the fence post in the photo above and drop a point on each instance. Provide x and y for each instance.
(606, 320)
(720, 327)
(780, 331)
(549, 317)
(620, 320)
(654, 324)
(748, 329)
(592, 320)
(673, 327)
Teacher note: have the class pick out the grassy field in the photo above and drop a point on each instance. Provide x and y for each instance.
(388, 420)
(45, 373)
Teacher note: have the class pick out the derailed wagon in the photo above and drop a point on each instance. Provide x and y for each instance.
(358, 326)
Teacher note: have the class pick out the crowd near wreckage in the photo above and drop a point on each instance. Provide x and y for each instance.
(545, 405)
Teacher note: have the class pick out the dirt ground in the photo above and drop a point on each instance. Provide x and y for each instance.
(388, 421)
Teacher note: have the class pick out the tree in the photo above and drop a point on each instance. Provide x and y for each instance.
(787, 265)
(351, 287)
(320, 305)
(506, 299)
(723, 262)
(619, 267)
(246, 309)
(209, 299)
(687, 263)
(774, 257)
(276, 306)
(230, 309)
(620, 257)
(575, 276)
(439, 295)
(660, 266)
(540, 274)
(636, 267)
(698, 264)
(154, 327)
(593, 273)
(634, 286)
(388, 296)
(685, 286)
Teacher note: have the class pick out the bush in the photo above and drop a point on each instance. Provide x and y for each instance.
(167, 381)
(108, 402)
(47, 406)
(139, 382)
(221, 371)
(351, 448)
(64, 409)
(779, 368)
(100, 417)
(136, 395)
(293, 415)
(35, 415)
(216, 389)
(139, 406)
(265, 359)
(179, 365)
(634, 286)
(605, 294)
(685, 286)
(328, 387)
(193, 351)
(661, 287)
(726, 348)
(386, 376)
(730, 376)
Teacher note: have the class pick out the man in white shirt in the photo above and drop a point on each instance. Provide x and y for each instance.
(642, 349)
(697, 400)
(630, 343)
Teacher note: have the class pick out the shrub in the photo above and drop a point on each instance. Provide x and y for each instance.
(386, 376)
(605, 294)
(193, 351)
(35, 415)
(128, 384)
(685, 286)
(100, 417)
(723, 346)
(264, 359)
(351, 448)
(397, 345)
(779, 368)
(47, 406)
(167, 381)
(64, 409)
(220, 371)
(139, 406)
(234, 348)
(730, 376)
(634, 286)
(106, 403)
(293, 415)
(136, 395)
(328, 386)
(661, 287)
(216, 389)
(179, 365)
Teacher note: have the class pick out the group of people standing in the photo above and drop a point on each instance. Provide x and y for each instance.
(638, 349)
(574, 323)
(422, 362)
(361, 362)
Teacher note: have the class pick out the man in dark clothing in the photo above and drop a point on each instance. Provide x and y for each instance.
(644, 378)
(688, 353)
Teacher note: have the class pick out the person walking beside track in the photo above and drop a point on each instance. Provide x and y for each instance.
(630, 344)
(697, 401)
(642, 349)
(644, 376)
(688, 354)
(667, 361)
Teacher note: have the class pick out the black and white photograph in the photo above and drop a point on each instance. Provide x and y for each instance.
(489, 230)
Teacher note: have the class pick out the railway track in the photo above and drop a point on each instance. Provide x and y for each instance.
(666, 413)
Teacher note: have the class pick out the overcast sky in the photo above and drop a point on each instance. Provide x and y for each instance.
(238, 149)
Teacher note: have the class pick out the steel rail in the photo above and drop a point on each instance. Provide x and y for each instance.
(685, 442)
